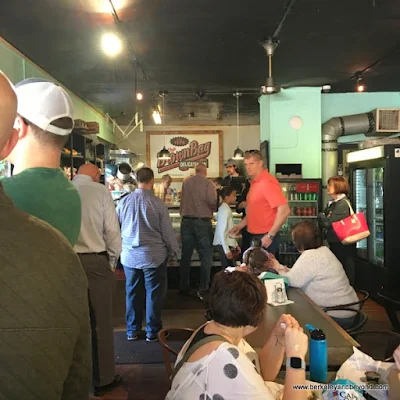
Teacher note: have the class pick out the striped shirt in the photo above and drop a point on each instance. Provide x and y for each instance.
(146, 230)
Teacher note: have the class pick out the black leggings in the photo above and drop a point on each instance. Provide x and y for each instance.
(345, 254)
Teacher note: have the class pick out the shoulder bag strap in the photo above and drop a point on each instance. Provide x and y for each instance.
(351, 208)
(196, 346)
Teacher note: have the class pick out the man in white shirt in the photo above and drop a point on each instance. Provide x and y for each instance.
(98, 247)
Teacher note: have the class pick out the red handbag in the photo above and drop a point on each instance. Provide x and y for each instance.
(352, 228)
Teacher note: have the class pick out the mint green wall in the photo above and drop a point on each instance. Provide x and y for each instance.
(337, 105)
(288, 146)
(17, 67)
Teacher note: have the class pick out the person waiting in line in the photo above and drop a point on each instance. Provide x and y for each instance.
(336, 210)
(98, 248)
(218, 363)
(198, 202)
(148, 241)
(44, 314)
(233, 177)
(228, 247)
(45, 119)
(241, 209)
(266, 208)
(319, 273)
(164, 189)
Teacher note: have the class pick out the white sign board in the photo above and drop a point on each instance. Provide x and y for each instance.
(187, 148)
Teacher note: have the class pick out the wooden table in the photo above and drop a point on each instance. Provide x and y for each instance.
(340, 343)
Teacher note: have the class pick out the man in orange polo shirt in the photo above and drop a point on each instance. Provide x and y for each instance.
(267, 208)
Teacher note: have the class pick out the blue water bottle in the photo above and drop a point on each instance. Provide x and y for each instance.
(318, 355)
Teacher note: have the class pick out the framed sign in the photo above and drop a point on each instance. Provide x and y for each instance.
(187, 148)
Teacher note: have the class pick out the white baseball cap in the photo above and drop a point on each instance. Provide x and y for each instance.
(43, 102)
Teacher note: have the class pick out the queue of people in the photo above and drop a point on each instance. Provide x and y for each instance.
(66, 292)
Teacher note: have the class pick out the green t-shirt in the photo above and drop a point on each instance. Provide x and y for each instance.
(46, 193)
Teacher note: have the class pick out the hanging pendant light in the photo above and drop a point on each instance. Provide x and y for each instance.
(164, 154)
(238, 153)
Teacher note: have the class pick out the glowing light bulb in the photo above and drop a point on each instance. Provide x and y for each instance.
(139, 96)
(111, 44)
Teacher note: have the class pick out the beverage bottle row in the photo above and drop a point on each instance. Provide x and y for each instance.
(293, 196)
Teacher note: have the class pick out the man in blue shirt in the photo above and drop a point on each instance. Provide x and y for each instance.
(148, 240)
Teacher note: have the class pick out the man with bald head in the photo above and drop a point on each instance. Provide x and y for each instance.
(98, 247)
(198, 202)
(44, 314)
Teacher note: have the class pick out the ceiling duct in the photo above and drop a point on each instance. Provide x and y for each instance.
(381, 122)
(201, 110)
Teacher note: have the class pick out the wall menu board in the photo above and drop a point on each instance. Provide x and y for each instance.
(187, 148)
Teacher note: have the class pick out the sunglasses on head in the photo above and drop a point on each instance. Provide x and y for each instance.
(253, 151)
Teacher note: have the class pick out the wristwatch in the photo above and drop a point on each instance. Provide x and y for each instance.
(295, 363)
(270, 236)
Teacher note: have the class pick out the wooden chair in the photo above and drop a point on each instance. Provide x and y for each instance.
(181, 334)
(378, 344)
(360, 316)
(391, 302)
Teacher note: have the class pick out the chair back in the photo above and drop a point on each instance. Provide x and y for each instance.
(360, 319)
(378, 344)
(176, 335)
(391, 303)
(360, 293)
(363, 295)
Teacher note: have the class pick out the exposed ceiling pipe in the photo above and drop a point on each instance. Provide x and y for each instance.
(282, 19)
(134, 59)
(331, 130)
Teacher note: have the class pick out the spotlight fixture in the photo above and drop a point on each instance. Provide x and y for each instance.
(139, 96)
(326, 88)
(360, 86)
(111, 44)
(157, 117)
(270, 87)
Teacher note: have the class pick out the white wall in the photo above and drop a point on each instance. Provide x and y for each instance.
(249, 138)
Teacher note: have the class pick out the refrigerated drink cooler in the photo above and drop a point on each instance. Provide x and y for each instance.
(304, 198)
(375, 190)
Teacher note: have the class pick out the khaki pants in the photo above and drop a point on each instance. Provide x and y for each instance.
(102, 286)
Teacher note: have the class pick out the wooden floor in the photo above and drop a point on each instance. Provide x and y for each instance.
(150, 382)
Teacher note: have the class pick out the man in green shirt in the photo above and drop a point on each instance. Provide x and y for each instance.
(45, 334)
(38, 185)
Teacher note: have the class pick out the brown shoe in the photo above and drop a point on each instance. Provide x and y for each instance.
(100, 390)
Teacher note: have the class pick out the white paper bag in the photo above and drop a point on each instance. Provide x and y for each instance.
(354, 369)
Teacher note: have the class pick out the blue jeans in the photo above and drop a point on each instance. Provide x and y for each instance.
(145, 287)
(196, 233)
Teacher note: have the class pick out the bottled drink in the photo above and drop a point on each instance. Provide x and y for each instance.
(318, 355)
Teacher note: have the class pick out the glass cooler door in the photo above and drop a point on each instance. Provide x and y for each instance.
(376, 220)
(360, 205)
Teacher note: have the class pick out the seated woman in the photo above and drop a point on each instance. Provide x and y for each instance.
(319, 273)
(226, 366)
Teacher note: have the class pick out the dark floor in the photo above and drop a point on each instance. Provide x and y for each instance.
(150, 381)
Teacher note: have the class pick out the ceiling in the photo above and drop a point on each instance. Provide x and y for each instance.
(211, 45)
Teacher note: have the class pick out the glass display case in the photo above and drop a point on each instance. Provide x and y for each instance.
(176, 224)
(304, 198)
(375, 191)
